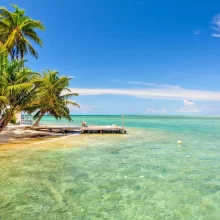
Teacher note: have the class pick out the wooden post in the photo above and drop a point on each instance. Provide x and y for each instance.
(123, 122)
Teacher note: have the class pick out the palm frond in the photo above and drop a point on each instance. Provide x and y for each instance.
(37, 115)
(31, 49)
(5, 13)
(3, 99)
(16, 29)
(32, 24)
(34, 37)
(4, 25)
(21, 86)
(51, 95)
(69, 95)
(67, 102)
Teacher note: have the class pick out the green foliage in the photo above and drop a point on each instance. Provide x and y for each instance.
(52, 96)
(18, 83)
(17, 88)
(14, 120)
(16, 32)
(21, 89)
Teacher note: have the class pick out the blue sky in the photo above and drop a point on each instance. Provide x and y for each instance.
(133, 56)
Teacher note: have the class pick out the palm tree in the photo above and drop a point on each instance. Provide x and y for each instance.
(52, 97)
(3, 98)
(16, 32)
(17, 90)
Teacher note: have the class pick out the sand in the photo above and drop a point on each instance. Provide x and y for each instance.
(18, 133)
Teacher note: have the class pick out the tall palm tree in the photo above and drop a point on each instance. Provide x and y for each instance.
(17, 31)
(52, 97)
(3, 98)
(17, 90)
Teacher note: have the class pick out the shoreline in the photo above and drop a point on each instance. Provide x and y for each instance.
(20, 133)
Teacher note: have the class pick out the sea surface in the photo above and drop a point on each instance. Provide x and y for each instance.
(144, 174)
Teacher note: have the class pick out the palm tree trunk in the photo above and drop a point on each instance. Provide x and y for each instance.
(6, 119)
(38, 120)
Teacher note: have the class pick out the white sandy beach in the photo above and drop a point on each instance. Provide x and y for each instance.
(15, 133)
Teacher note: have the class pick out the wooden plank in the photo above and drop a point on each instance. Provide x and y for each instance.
(55, 128)
(101, 129)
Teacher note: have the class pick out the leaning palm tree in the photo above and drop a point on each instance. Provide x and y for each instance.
(52, 97)
(16, 32)
(17, 90)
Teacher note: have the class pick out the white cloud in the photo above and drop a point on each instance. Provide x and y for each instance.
(155, 111)
(188, 103)
(153, 93)
(216, 25)
(142, 83)
(189, 107)
(197, 32)
(215, 35)
(153, 84)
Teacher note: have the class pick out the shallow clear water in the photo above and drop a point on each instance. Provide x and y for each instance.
(144, 174)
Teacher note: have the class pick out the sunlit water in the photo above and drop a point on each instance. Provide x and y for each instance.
(144, 174)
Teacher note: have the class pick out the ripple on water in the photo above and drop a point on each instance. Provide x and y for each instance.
(142, 175)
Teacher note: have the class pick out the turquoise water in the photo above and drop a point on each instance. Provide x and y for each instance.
(144, 174)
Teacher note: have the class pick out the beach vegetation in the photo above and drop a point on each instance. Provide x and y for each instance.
(52, 97)
(17, 31)
(13, 120)
(22, 89)
(18, 88)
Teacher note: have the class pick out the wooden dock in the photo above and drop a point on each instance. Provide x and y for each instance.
(103, 129)
(60, 129)
(83, 130)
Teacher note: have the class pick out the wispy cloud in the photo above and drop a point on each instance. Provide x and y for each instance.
(153, 84)
(155, 111)
(156, 93)
(197, 32)
(216, 25)
(142, 83)
(215, 35)
(148, 84)
(189, 107)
